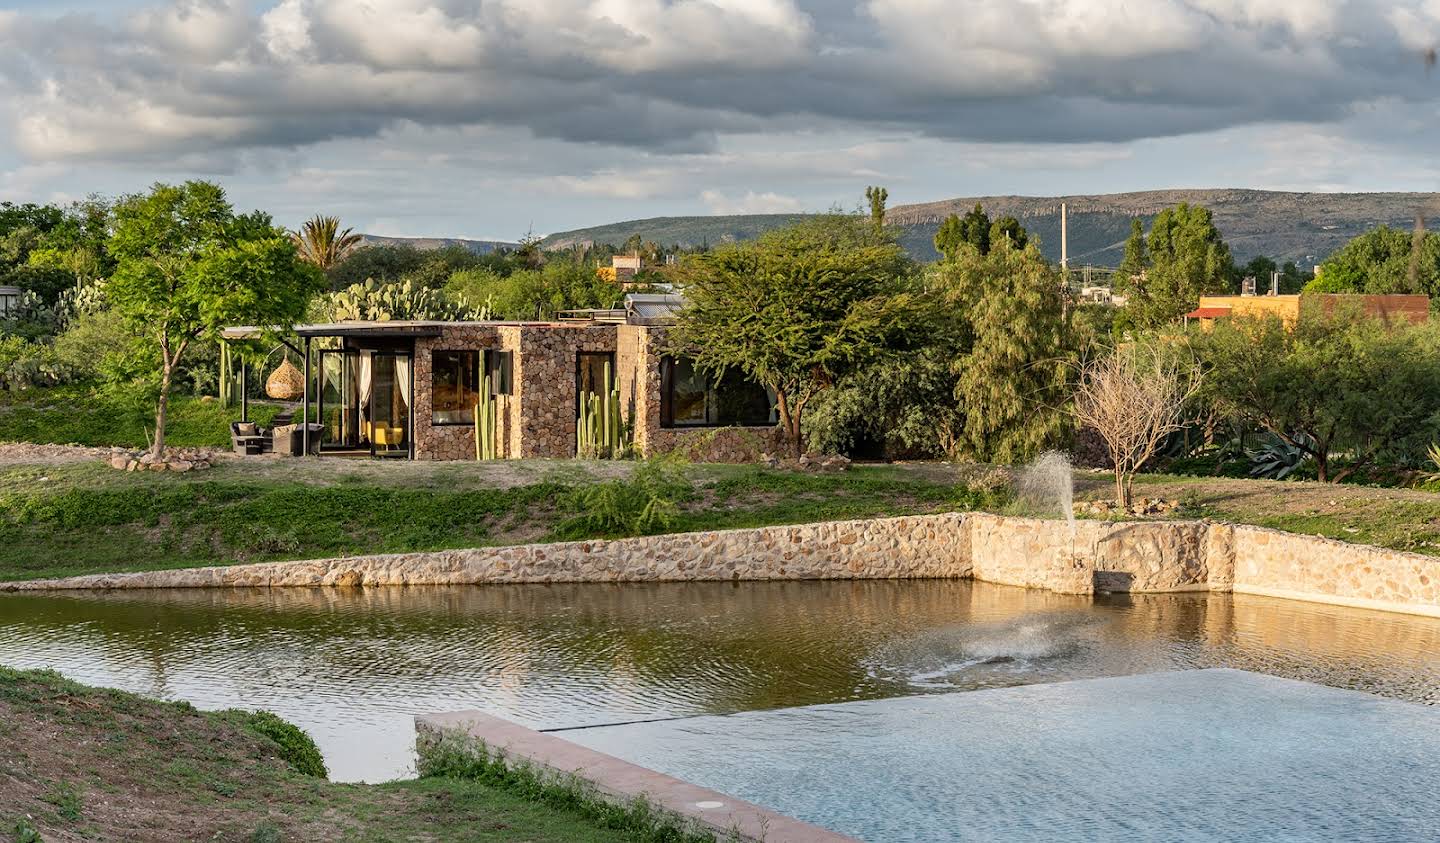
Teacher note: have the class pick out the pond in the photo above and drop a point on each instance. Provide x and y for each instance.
(353, 666)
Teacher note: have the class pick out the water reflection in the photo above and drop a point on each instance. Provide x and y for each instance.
(352, 666)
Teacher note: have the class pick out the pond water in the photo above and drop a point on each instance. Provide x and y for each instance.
(353, 666)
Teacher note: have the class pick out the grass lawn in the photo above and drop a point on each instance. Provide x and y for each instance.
(80, 763)
(80, 415)
(83, 517)
(1401, 519)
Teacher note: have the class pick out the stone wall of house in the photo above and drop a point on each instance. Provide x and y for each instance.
(457, 442)
(537, 419)
(544, 375)
(638, 353)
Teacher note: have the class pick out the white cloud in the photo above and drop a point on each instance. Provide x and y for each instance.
(750, 203)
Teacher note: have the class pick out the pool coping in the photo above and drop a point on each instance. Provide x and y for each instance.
(623, 781)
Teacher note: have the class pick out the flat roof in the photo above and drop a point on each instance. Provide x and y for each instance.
(396, 328)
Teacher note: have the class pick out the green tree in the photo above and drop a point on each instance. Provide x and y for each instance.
(1014, 383)
(876, 197)
(1187, 259)
(1136, 262)
(1260, 268)
(1383, 260)
(1338, 383)
(381, 263)
(795, 310)
(977, 231)
(950, 237)
(321, 242)
(187, 266)
(536, 293)
(903, 400)
(1009, 228)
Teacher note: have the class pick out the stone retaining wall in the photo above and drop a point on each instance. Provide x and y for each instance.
(1140, 556)
(928, 546)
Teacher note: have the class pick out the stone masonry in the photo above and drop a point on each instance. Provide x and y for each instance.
(638, 353)
(1152, 556)
(538, 418)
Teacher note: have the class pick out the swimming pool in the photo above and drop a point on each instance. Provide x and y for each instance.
(1213, 754)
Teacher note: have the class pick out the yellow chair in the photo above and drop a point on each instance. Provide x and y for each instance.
(390, 437)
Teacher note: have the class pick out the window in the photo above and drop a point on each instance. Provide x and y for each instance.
(454, 386)
(498, 364)
(690, 398)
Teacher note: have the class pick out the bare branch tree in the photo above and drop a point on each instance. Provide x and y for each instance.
(1134, 400)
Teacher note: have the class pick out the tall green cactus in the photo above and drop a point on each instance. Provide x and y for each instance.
(600, 430)
(487, 422)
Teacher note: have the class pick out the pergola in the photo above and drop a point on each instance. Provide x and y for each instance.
(360, 333)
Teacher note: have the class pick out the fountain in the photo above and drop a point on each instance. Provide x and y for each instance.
(1044, 486)
(1049, 482)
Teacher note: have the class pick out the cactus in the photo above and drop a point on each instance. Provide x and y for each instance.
(487, 422)
(600, 431)
(374, 302)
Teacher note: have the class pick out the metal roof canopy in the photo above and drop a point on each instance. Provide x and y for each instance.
(375, 329)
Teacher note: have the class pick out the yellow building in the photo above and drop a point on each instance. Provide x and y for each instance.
(1408, 308)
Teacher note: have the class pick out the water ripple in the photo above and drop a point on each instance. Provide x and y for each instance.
(353, 666)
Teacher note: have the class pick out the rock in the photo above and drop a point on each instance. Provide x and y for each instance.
(132, 465)
(147, 458)
(156, 466)
(120, 461)
(181, 465)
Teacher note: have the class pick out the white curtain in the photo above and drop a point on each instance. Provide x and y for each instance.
(366, 382)
(402, 377)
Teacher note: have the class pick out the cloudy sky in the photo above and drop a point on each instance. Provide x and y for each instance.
(488, 118)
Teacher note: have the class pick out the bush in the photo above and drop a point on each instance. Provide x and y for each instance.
(645, 503)
(25, 364)
(296, 748)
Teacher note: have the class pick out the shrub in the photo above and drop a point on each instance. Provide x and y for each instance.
(645, 503)
(26, 832)
(296, 748)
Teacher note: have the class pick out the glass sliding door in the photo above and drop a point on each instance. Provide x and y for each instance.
(390, 398)
(340, 400)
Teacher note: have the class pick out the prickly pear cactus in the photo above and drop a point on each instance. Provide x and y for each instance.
(399, 301)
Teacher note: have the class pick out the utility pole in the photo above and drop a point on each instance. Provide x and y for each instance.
(1064, 238)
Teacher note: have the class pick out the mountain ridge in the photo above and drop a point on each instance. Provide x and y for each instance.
(1285, 225)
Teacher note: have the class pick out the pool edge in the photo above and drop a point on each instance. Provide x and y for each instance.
(625, 782)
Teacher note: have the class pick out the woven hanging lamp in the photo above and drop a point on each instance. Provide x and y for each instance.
(286, 383)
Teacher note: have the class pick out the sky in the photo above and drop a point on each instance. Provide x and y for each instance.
(493, 118)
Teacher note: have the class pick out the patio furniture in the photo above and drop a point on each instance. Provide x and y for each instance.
(248, 438)
(290, 438)
(388, 437)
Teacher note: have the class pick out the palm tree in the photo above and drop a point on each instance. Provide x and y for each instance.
(321, 242)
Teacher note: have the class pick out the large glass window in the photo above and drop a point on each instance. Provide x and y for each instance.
(454, 386)
(690, 398)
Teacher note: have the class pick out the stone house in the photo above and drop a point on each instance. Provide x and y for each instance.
(409, 389)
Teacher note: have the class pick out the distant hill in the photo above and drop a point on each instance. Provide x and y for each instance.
(667, 231)
(479, 247)
(1303, 227)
